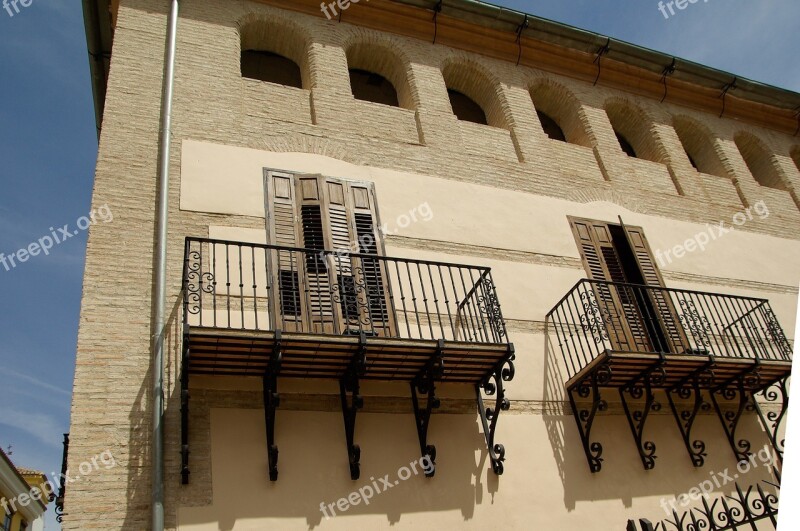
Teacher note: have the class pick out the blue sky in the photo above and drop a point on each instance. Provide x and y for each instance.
(48, 148)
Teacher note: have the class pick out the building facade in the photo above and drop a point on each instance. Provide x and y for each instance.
(23, 497)
(473, 257)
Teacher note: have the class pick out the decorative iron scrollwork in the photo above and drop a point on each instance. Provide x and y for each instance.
(589, 387)
(62, 489)
(742, 394)
(196, 282)
(594, 319)
(425, 384)
(775, 331)
(777, 393)
(642, 386)
(489, 305)
(691, 390)
(742, 509)
(493, 386)
(693, 322)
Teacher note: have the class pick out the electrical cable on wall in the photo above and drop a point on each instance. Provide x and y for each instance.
(603, 50)
(522, 27)
(668, 71)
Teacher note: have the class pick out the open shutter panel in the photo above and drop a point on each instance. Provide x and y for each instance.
(370, 274)
(286, 266)
(670, 323)
(621, 314)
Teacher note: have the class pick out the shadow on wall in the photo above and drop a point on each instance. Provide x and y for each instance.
(623, 476)
(313, 469)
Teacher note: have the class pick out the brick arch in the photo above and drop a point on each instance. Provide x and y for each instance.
(475, 81)
(759, 160)
(698, 143)
(278, 35)
(386, 60)
(636, 126)
(560, 104)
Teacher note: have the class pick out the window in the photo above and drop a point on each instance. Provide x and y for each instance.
(465, 108)
(368, 86)
(625, 145)
(620, 255)
(23, 525)
(270, 67)
(551, 128)
(759, 161)
(328, 284)
(7, 518)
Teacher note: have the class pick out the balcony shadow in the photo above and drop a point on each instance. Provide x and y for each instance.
(313, 468)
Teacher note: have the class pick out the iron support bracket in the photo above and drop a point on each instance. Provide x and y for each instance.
(425, 383)
(589, 387)
(492, 385)
(740, 388)
(349, 384)
(690, 388)
(272, 401)
(642, 386)
(778, 393)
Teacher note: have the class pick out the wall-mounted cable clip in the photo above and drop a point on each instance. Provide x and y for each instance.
(668, 71)
(727, 88)
(603, 50)
(522, 27)
(436, 10)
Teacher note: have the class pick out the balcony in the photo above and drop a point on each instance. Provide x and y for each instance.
(274, 312)
(700, 348)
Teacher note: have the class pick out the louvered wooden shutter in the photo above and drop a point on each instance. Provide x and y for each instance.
(370, 274)
(670, 324)
(617, 304)
(312, 201)
(286, 266)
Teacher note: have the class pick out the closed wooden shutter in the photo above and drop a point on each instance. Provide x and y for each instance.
(661, 300)
(371, 274)
(617, 304)
(286, 266)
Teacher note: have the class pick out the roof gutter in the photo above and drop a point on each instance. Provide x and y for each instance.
(509, 20)
(98, 27)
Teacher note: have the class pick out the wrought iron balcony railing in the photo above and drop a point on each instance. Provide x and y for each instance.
(597, 316)
(693, 345)
(246, 286)
(273, 312)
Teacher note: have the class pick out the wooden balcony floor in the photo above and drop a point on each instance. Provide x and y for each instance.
(215, 351)
(626, 366)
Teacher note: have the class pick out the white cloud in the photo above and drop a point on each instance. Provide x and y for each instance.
(42, 426)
